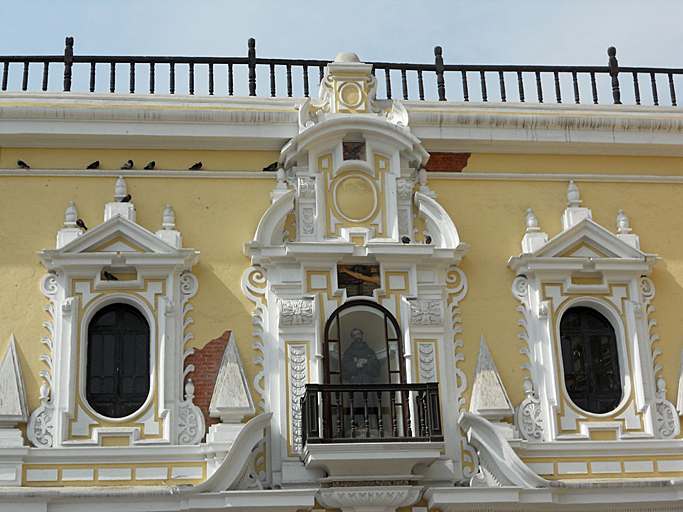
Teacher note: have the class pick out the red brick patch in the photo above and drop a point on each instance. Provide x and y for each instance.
(207, 363)
(447, 162)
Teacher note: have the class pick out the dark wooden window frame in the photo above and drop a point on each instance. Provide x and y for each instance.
(603, 390)
(120, 402)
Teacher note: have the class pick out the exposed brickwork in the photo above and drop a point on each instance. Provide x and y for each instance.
(447, 162)
(207, 363)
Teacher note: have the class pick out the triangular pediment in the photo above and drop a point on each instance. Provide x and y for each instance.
(587, 239)
(118, 234)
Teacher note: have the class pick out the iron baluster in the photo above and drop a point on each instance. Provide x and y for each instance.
(420, 85)
(352, 400)
(93, 65)
(420, 405)
(210, 78)
(289, 80)
(404, 84)
(405, 404)
(68, 62)
(45, 71)
(539, 87)
(230, 80)
(520, 86)
(5, 75)
(484, 95)
(191, 73)
(305, 80)
(558, 93)
(340, 411)
(672, 90)
(387, 81)
(251, 56)
(575, 81)
(655, 97)
(324, 414)
(636, 87)
(24, 80)
(440, 81)
(392, 410)
(594, 88)
(132, 77)
(501, 79)
(465, 89)
(321, 74)
(112, 77)
(151, 78)
(171, 78)
(272, 80)
(366, 413)
(614, 73)
(380, 422)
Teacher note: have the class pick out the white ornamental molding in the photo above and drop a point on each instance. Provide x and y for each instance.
(298, 371)
(379, 498)
(520, 289)
(528, 414)
(254, 285)
(426, 351)
(40, 430)
(307, 188)
(404, 188)
(425, 312)
(668, 425)
(190, 420)
(296, 312)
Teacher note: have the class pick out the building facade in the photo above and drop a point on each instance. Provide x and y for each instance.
(415, 305)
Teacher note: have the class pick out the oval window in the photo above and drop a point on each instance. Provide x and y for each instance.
(590, 360)
(118, 361)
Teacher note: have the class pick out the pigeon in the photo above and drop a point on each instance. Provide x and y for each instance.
(195, 167)
(127, 165)
(405, 240)
(428, 239)
(272, 167)
(126, 198)
(150, 166)
(81, 225)
(94, 165)
(22, 164)
(109, 277)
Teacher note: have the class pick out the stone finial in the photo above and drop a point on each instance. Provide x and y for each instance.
(531, 221)
(622, 223)
(528, 386)
(70, 216)
(573, 200)
(120, 189)
(189, 390)
(346, 57)
(168, 218)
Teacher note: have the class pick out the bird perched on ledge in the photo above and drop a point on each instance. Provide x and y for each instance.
(81, 224)
(126, 198)
(405, 239)
(272, 167)
(94, 165)
(195, 167)
(22, 164)
(150, 166)
(127, 165)
(109, 277)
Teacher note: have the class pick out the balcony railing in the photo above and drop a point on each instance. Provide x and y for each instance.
(352, 413)
(292, 77)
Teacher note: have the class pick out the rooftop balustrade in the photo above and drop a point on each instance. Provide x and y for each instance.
(256, 76)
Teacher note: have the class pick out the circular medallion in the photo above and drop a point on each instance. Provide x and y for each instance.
(355, 198)
(351, 95)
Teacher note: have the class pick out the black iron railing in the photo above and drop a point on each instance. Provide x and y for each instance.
(292, 77)
(351, 413)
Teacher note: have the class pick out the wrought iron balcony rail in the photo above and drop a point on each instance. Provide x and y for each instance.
(352, 413)
(292, 77)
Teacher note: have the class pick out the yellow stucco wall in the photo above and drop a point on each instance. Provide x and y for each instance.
(217, 215)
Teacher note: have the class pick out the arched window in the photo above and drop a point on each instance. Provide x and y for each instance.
(590, 360)
(362, 346)
(118, 361)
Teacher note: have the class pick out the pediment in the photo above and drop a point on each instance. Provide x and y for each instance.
(118, 234)
(587, 239)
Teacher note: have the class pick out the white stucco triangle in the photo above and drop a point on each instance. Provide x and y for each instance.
(231, 400)
(489, 398)
(13, 407)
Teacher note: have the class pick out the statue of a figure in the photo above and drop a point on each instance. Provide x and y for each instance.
(359, 362)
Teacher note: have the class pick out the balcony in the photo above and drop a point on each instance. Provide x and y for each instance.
(382, 429)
